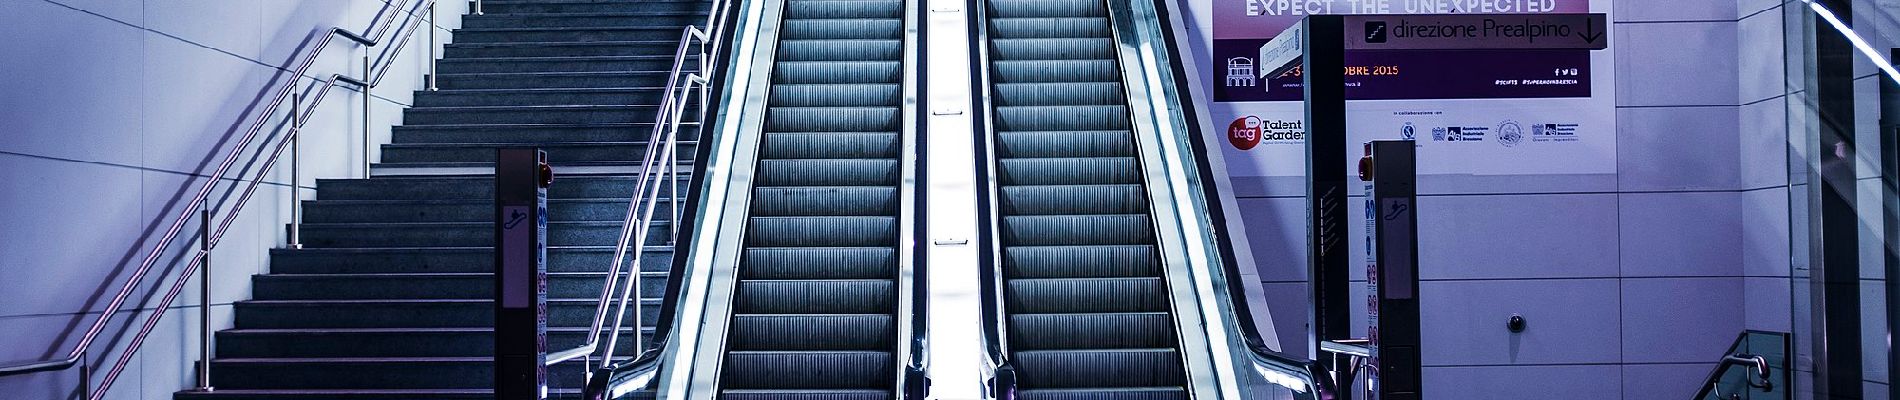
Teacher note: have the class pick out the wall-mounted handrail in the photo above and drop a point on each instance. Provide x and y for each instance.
(1759, 372)
(200, 203)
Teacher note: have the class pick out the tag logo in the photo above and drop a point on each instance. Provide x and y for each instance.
(1244, 133)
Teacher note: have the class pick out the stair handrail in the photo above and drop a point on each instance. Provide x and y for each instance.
(660, 165)
(199, 204)
(1002, 371)
(611, 379)
(1759, 371)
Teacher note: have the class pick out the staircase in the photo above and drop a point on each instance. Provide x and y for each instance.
(391, 297)
(1088, 308)
(814, 312)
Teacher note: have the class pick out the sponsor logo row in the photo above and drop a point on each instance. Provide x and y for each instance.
(1248, 132)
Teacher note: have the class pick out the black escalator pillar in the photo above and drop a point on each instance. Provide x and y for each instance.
(1834, 225)
(1327, 252)
(1890, 217)
(521, 325)
(1392, 178)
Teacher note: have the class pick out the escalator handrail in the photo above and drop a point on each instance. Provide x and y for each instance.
(913, 383)
(639, 371)
(989, 262)
(1255, 344)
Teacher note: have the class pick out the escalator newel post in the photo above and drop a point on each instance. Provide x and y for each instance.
(522, 177)
(1390, 171)
(1328, 256)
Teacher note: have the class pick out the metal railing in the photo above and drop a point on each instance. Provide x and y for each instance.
(1761, 357)
(1002, 374)
(659, 168)
(200, 204)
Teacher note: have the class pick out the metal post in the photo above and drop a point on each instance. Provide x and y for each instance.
(432, 44)
(204, 300)
(366, 104)
(672, 175)
(85, 374)
(296, 173)
(478, 7)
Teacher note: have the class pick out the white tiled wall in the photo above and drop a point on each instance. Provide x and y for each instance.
(114, 111)
(1640, 284)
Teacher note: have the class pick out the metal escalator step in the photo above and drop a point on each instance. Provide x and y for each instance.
(1019, 71)
(786, 72)
(1060, 94)
(829, 145)
(842, 28)
(827, 172)
(1050, 27)
(845, 231)
(814, 305)
(836, 95)
(832, 119)
(1123, 393)
(1052, 48)
(840, 296)
(752, 332)
(795, 394)
(1069, 171)
(1100, 368)
(1090, 331)
(1047, 8)
(840, 49)
(1080, 261)
(824, 201)
(1072, 199)
(1092, 229)
(1087, 295)
(1062, 118)
(818, 263)
(808, 369)
(1051, 144)
(810, 9)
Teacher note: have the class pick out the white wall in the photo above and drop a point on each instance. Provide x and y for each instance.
(1634, 283)
(112, 113)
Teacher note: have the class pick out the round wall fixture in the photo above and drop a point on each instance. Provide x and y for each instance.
(1515, 324)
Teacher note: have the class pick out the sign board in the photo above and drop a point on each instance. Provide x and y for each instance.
(1488, 88)
(1477, 32)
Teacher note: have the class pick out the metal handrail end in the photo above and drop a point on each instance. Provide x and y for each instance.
(352, 36)
(569, 354)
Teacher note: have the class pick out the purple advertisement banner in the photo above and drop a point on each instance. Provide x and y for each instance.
(1262, 19)
(1241, 27)
(1415, 74)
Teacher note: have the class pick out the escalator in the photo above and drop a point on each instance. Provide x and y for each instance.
(1087, 305)
(815, 304)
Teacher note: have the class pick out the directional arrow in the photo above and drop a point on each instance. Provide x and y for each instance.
(1590, 34)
